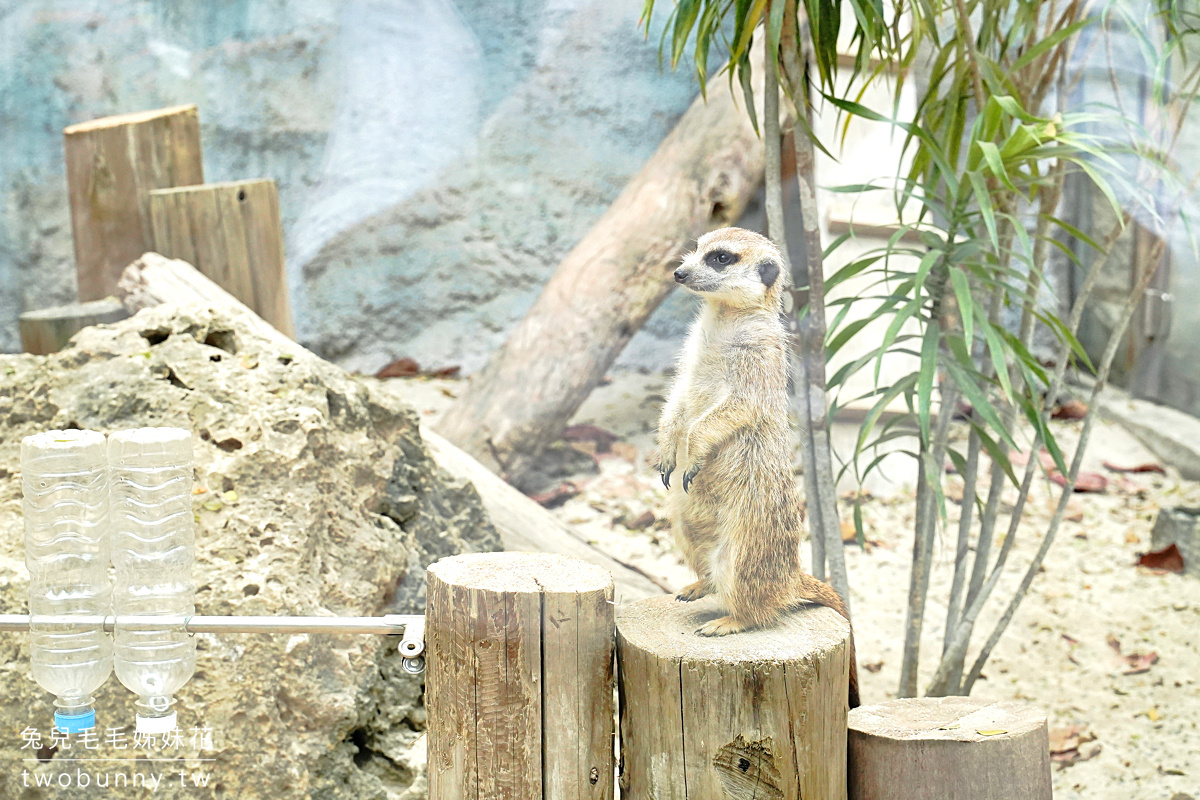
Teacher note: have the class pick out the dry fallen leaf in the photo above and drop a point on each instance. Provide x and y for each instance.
(873, 668)
(1140, 662)
(400, 368)
(1072, 409)
(1149, 466)
(638, 523)
(1066, 745)
(1092, 482)
(1169, 559)
(555, 497)
(591, 433)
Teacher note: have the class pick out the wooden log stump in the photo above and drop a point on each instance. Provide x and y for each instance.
(112, 163)
(231, 233)
(519, 682)
(938, 748)
(48, 330)
(760, 714)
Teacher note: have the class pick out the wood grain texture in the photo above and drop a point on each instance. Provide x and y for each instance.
(943, 748)
(760, 714)
(112, 164)
(48, 330)
(231, 233)
(519, 682)
(700, 178)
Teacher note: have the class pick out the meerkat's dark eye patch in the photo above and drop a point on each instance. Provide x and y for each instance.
(720, 259)
(768, 271)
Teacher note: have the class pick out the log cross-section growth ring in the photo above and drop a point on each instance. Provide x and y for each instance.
(700, 178)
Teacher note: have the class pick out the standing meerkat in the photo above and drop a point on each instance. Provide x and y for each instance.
(736, 509)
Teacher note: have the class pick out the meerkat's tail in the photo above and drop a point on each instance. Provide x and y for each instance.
(813, 590)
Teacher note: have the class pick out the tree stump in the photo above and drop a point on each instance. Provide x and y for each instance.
(112, 163)
(48, 330)
(519, 685)
(231, 233)
(760, 714)
(938, 748)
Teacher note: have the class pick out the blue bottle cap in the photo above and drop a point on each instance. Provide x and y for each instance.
(74, 723)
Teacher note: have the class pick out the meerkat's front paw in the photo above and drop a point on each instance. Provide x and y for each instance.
(721, 626)
(694, 591)
(666, 465)
(690, 475)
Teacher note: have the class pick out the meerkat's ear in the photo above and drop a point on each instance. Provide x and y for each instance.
(768, 271)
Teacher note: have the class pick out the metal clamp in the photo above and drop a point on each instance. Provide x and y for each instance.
(412, 646)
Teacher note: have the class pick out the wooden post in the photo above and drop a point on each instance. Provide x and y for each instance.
(519, 681)
(760, 714)
(48, 330)
(938, 748)
(111, 164)
(231, 233)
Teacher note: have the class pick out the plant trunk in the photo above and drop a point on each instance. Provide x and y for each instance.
(810, 396)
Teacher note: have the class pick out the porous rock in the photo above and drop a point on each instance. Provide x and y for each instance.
(319, 498)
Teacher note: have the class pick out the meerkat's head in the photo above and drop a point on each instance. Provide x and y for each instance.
(735, 267)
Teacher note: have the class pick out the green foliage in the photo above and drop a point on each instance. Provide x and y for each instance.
(958, 285)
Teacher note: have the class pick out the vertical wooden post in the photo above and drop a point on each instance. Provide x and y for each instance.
(760, 714)
(231, 233)
(48, 330)
(938, 748)
(519, 679)
(111, 164)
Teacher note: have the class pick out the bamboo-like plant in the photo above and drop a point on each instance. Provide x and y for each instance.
(993, 139)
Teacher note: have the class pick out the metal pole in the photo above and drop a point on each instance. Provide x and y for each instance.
(411, 625)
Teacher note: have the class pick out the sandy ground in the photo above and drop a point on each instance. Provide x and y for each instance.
(1058, 652)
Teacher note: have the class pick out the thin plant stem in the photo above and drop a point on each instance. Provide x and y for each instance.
(817, 451)
(1110, 352)
(970, 477)
(954, 656)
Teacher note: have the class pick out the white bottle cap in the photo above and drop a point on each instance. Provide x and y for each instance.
(156, 726)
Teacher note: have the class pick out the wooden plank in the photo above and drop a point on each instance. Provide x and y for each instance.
(577, 704)
(761, 714)
(112, 164)
(231, 233)
(48, 330)
(938, 748)
(519, 679)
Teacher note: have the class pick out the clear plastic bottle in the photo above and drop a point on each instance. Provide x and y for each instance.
(64, 476)
(152, 551)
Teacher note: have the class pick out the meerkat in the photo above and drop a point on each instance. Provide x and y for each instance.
(736, 511)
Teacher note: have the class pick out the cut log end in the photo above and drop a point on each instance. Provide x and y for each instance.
(132, 118)
(522, 572)
(949, 747)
